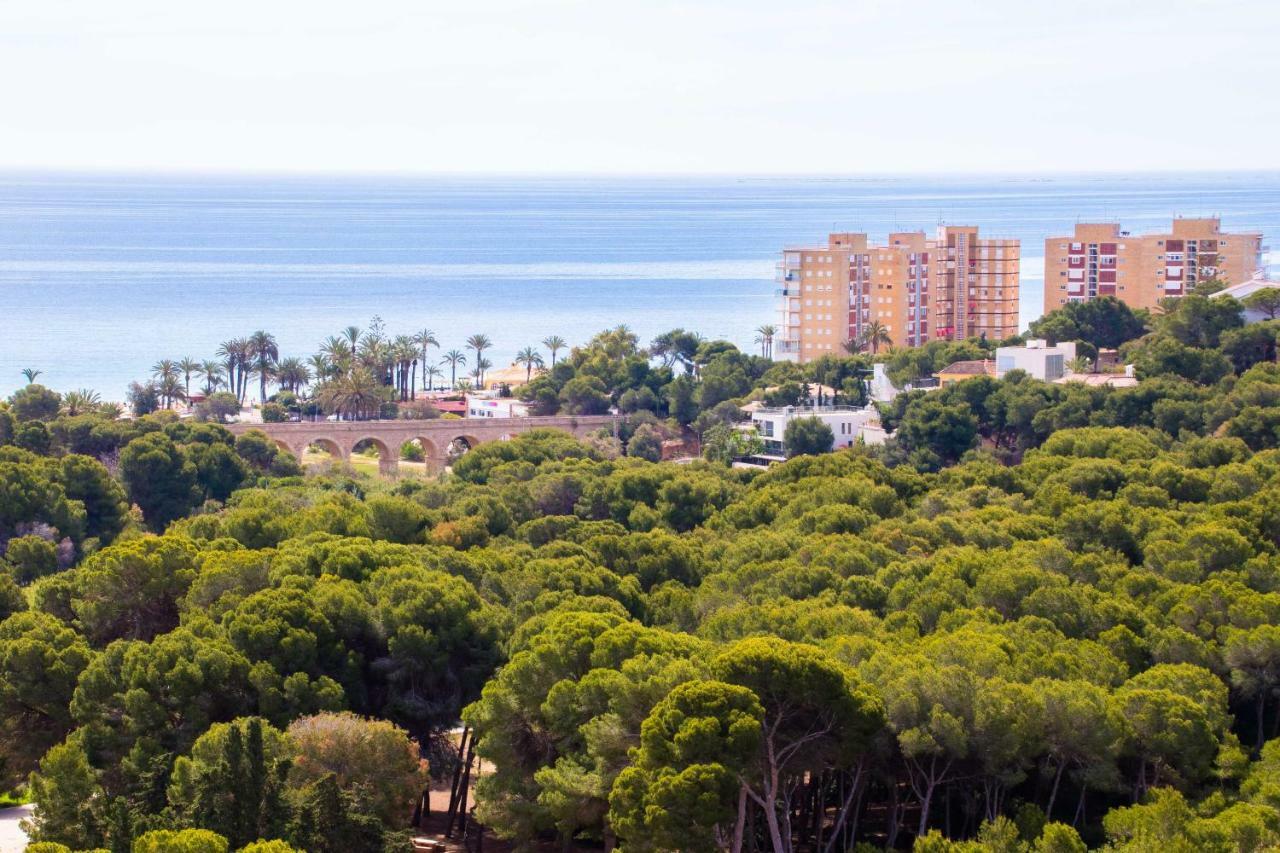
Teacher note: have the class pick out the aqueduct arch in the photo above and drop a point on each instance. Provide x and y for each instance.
(339, 438)
(388, 458)
(339, 452)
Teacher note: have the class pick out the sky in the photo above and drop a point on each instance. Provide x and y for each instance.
(788, 86)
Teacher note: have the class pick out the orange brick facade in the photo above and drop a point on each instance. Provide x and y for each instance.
(954, 286)
(1140, 270)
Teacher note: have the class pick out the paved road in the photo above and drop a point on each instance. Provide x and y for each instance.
(12, 838)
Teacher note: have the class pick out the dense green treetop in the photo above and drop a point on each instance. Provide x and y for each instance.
(1044, 616)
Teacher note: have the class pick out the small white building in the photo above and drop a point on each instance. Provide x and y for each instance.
(495, 407)
(849, 425)
(1248, 288)
(1037, 358)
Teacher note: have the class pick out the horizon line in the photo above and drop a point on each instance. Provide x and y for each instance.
(194, 171)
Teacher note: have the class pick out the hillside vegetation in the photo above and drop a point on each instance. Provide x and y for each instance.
(1046, 616)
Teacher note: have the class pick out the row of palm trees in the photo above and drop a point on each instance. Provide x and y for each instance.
(351, 369)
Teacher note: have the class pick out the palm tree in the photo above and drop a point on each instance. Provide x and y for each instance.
(429, 373)
(764, 337)
(292, 373)
(170, 389)
(212, 373)
(236, 353)
(165, 368)
(31, 373)
(322, 367)
(188, 366)
(78, 402)
(352, 334)
(228, 352)
(404, 359)
(1080, 364)
(875, 334)
(555, 343)
(479, 343)
(375, 356)
(482, 364)
(530, 358)
(425, 338)
(166, 373)
(337, 350)
(265, 354)
(453, 358)
(356, 395)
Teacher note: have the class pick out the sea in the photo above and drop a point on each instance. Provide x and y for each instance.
(102, 275)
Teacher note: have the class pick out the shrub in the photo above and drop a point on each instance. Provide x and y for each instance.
(418, 410)
(274, 413)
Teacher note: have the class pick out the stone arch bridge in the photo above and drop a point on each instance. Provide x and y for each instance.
(436, 436)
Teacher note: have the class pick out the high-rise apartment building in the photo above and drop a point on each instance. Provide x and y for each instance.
(1140, 270)
(951, 287)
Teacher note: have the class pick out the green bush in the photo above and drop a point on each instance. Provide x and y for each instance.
(274, 413)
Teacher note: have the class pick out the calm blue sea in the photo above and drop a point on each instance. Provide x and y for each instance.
(102, 275)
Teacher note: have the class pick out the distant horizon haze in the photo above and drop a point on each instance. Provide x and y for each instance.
(666, 87)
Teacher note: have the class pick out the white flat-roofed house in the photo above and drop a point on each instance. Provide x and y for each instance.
(495, 407)
(1037, 358)
(849, 425)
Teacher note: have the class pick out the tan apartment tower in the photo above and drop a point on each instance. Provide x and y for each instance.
(1101, 260)
(951, 287)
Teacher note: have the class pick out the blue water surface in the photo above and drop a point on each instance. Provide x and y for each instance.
(102, 275)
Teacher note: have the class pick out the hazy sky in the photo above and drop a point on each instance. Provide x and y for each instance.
(640, 86)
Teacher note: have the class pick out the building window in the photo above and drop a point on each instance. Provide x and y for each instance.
(1053, 367)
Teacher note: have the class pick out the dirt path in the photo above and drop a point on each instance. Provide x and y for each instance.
(12, 838)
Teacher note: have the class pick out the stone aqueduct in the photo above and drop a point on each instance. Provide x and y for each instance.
(436, 436)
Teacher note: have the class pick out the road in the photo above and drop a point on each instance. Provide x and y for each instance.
(12, 838)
